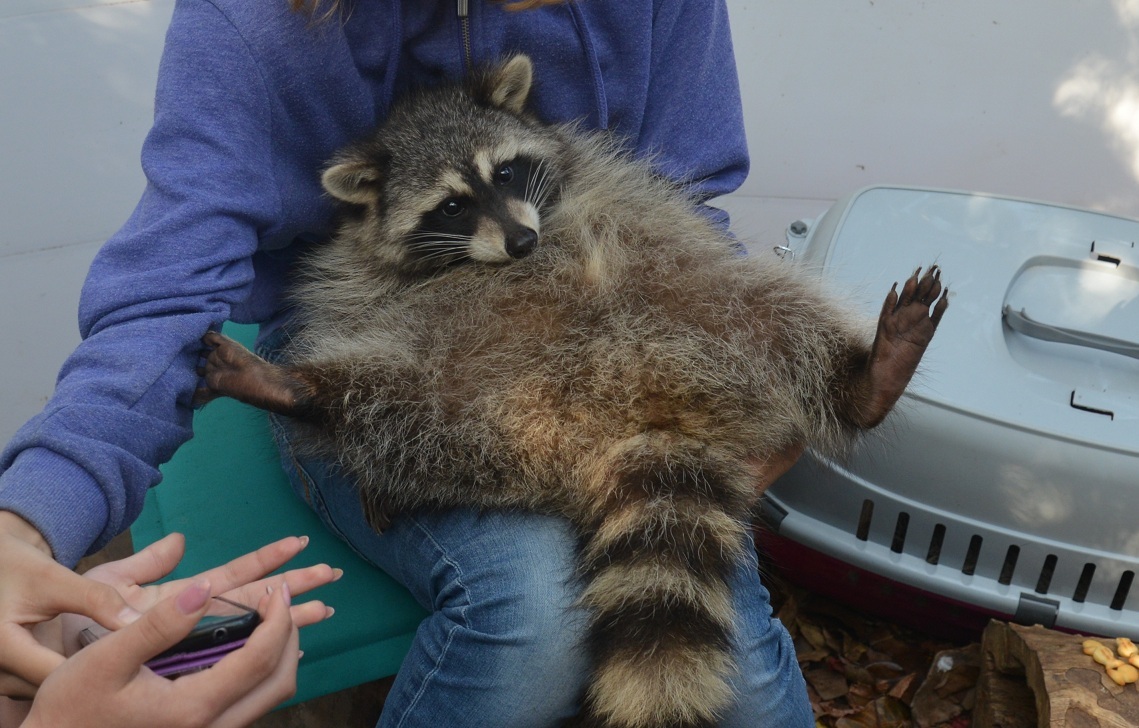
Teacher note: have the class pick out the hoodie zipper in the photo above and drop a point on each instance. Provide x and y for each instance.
(464, 12)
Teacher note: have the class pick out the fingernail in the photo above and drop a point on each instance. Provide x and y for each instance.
(328, 612)
(337, 573)
(304, 541)
(193, 597)
(285, 594)
(268, 589)
(300, 654)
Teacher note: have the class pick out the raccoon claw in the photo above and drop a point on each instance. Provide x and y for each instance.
(231, 370)
(907, 318)
(906, 326)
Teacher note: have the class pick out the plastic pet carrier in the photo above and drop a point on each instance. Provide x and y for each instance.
(1007, 479)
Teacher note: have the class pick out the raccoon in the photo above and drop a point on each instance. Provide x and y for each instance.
(521, 315)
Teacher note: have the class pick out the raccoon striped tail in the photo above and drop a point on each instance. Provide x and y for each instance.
(655, 572)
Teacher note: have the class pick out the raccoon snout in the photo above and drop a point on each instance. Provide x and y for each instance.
(521, 243)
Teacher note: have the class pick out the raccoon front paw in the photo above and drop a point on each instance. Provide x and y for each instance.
(231, 370)
(906, 326)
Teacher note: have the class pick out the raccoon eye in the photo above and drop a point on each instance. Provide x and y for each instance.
(504, 175)
(452, 207)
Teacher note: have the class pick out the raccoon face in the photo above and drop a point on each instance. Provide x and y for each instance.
(489, 212)
(462, 176)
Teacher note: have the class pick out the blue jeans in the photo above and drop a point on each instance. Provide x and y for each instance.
(503, 643)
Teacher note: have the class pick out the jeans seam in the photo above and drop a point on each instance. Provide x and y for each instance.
(446, 558)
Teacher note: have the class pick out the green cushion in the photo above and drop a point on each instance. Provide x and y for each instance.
(226, 492)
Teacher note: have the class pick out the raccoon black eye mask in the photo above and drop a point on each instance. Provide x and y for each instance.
(626, 373)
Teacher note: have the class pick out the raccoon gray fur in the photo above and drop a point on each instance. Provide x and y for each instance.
(518, 315)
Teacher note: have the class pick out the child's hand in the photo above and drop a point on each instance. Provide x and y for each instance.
(106, 684)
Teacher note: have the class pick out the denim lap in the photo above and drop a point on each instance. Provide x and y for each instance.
(503, 644)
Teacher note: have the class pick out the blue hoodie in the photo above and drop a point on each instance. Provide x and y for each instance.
(252, 100)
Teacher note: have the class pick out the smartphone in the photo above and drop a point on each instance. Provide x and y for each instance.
(224, 628)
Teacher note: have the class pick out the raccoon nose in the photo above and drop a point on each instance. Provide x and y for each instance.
(521, 243)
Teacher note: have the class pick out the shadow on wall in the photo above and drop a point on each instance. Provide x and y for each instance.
(1104, 90)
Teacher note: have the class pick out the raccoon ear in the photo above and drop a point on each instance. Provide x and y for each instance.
(355, 181)
(508, 84)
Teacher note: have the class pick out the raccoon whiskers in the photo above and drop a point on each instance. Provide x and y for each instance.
(539, 184)
(436, 246)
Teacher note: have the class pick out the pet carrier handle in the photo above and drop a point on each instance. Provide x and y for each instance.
(1020, 322)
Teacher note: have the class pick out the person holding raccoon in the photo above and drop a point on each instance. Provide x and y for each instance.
(254, 98)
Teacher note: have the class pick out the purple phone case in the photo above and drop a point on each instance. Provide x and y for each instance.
(187, 662)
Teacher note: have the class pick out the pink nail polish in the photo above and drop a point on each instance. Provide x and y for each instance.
(193, 597)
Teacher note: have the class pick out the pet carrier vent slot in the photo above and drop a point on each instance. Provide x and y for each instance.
(863, 531)
(1084, 584)
(971, 556)
(1009, 565)
(1045, 578)
(1122, 590)
(900, 532)
(934, 553)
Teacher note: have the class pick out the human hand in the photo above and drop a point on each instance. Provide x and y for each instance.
(106, 684)
(34, 589)
(241, 580)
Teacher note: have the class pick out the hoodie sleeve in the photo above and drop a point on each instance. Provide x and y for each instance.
(694, 115)
(79, 470)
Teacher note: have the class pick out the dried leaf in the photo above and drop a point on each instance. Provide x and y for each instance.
(826, 682)
(885, 712)
(949, 687)
(904, 688)
(812, 633)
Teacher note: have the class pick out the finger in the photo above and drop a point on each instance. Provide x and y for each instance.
(309, 613)
(931, 289)
(213, 339)
(939, 309)
(278, 687)
(66, 591)
(300, 581)
(255, 565)
(150, 564)
(930, 286)
(890, 303)
(237, 675)
(909, 289)
(24, 659)
(17, 688)
(158, 629)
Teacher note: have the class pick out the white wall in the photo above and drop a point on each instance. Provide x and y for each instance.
(76, 99)
(1031, 98)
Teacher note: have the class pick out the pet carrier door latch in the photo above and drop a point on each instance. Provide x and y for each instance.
(1036, 610)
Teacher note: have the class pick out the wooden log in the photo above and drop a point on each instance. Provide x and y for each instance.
(1065, 687)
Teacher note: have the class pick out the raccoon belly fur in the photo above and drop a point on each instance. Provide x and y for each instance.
(620, 376)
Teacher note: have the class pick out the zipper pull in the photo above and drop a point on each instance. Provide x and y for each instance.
(464, 9)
